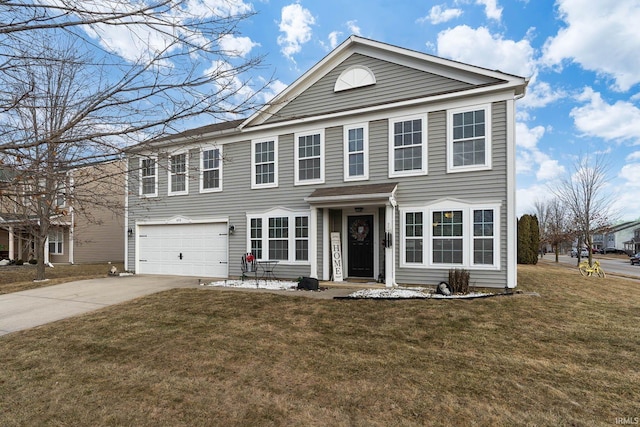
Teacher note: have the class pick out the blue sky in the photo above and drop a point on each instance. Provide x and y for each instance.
(582, 56)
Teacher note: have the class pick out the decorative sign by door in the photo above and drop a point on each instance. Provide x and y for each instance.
(336, 257)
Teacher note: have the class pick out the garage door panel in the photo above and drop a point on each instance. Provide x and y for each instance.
(184, 249)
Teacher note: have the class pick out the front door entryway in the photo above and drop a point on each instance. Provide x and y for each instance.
(360, 245)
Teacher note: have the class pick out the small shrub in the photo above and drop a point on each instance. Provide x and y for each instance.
(19, 262)
(33, 261)
(459, 280)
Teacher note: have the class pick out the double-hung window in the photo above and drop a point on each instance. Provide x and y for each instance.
(469, 139)
(178, 174)
(356, 152)
(449, 235)
(56, 241)
(148, 177)
(408, 146)
(264, 163)
(279, 235)
(210, 170)
(309, 158)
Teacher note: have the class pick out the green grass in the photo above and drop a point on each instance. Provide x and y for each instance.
(196, 357)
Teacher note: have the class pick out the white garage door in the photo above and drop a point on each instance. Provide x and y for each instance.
(183, 250)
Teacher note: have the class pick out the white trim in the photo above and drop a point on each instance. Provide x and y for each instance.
(155, 176)
(297, 159)
(171, 174)
(254, 142)
(467, 234)
(354, 77)
(291, 216)
(392, 149)
(487, 139)
(219, 169)
(126, 221)
(365, 150)
(512, 261)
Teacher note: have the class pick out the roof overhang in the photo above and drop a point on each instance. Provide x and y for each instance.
(361, 195)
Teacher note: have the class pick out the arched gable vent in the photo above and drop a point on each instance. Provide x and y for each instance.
(353, 77)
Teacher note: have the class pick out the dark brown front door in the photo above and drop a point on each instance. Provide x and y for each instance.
(360, 245)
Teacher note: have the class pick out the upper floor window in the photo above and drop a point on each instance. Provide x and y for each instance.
(407, 147)
(210, 170)
(309, 158)
(356, 152)
(469, 139)
(56, 241)
(148, 177)
(264, 163)
(178, 174)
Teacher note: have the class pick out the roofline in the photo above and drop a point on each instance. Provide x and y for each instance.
(353, 40)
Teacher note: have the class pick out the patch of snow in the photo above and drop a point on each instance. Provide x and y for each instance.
(409, 293)
(251, 284)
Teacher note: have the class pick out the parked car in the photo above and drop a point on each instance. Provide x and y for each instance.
(635, 259)
(613, 251)
(584, 253)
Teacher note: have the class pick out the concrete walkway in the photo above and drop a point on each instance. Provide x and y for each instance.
(26, 309)
(35, 307)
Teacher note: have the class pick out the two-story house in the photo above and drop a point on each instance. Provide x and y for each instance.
(408, 157)
(87, 220)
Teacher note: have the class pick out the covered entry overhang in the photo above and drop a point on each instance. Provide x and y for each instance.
(356, 199)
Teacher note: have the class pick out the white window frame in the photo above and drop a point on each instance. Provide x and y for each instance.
(155, 177)
(424, 144)
(487, 139)
(291, 237)
(467, 236)
(203, 170)
(348, 153)
(171, 174)
(58, 241)
(297, 136)
(254, 143)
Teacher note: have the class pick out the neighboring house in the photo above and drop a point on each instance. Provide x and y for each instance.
(409, 157)
(632, 246)
(619, 236)
(80, 232)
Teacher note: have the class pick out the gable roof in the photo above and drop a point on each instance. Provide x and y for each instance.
(471, 77)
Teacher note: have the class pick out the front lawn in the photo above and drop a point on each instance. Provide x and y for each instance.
(201, 357)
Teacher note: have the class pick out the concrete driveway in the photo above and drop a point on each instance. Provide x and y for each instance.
(26, 309)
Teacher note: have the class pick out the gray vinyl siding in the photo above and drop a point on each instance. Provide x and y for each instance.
(320, 97)
(235, 201)
(237, 197)
(477, 186)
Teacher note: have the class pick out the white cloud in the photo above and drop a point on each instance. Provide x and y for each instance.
(613, 122)
(333, 38)
(272, 90)
(487, 50)
(295, 23)
(530, 159)
(237, 46)
(439, 14)
(540, 94)
(353, 27)
(600, 36)
(631, 173)
(141, 41)
(491, 9)
(633, 156)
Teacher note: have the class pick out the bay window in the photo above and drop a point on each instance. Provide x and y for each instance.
(279, 235)
(458, 235)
